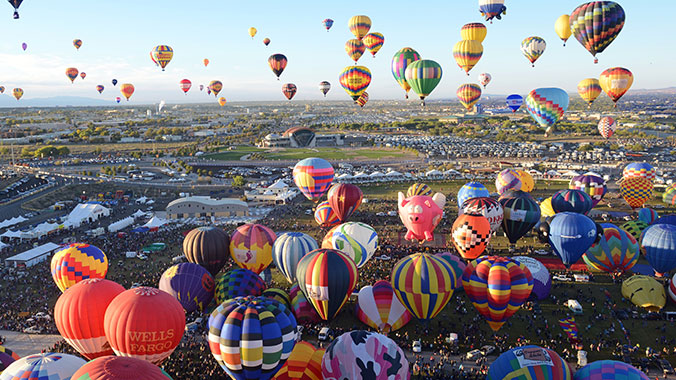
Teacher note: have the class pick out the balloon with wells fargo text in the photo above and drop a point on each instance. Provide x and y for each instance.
(287, 251)
(277, 63)
(378, 307)
(470, 234)
(208, 247)
(547, 105)
(562, 28)
(324, 215)
(596, 24)
(313, 177)
(144, 323)
(591, 184)
(78, 262)
(119, 368)
(486, 206)
(589, 89)
(374, 41)
(191, 284)
(659, 243)
(251, 246)
(615, 82)
(400, 62)
(327, 278)
(359, 26)
(473, 31)
(491, 9)
(357, 240)
(521, 214)
(616, 251)
(571, 235)
(468, 94)
(238, 282)
(497, 286)
(355, 80)
(423, 76)
(421, 214)
(344, 199)
(467, 54)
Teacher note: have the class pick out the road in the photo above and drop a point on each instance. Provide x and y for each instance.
(27, 344)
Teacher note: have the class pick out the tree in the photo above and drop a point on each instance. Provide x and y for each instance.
(238, 181)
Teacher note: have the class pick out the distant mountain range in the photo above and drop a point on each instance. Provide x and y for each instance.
(656, 91)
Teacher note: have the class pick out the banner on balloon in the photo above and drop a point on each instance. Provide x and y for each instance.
(533, 356)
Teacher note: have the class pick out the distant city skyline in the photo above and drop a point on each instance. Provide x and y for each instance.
(118, 36)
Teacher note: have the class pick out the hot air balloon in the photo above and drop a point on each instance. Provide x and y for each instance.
(162, 55)
(238, 282)
(363, 99)
(79, 314)
(2, 89)
(611, 369)
(423, 76)
(529, 363)
(547, 105)
(596, 24)
(607, 126)
(591, 184)
(542, 283)
(571, 200)
(527, 181)
(418, 189)
(570, 235)
(374, 41)
(327, 277)
(497, 286)
(355, 80)
(119, 368)
(205, 62)
(533, 47)
(469, 94)
(114, 82)
(421, 214)
(639, 169)
(47, 365)
(492, 9)
(289, 90)
(360, 355)
(400, 61)
(324, 215)
(508, 179)
(344, 199)
(78, 262)
(304, 363)
(471, 234)
(191, 284)
(252, 32)
(635, 228)
(378, 307)
(72, 73)
(18, 93)
(99, 88)
(471, 190)
(83, 75)
(144, 323)
(266, 41)
(617, 251)
(659, 243)
(215, 86)
(251, 337)
(208, 247)
(127, 89)
(521, 214)
(7, 357)
(423, 283)
(644, 291)
(615, 82)
(222, 101)
(514, 102)
(24, 46)
(357, 240)
(648, 215)
(251, 246)
(16, 4)
(324, 87)
(671, 290)
(328, 23)
(185, 85)
(302, 309)
(457, 265)
(636, 191)
(288, 249)
(359, 26)
(546, 209)
(354, 49)
(467, 53)
(278, 295)
(277, 63)
(313, 176)
(669, 195)
(562, 28)
(589, 89)
(484, 79)
(118, 99)
(473, 31)
(77, 43)
(486, 206)
(326, 241)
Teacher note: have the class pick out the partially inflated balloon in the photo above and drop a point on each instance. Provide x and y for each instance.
(596, 24)
(486, 206)
(617, 251)
(615, 82)
(471, 234)
(473, 31)
(547, 105)
(355, 80)
(521, 214)
(542, 283)
(359, 26)
(208, 247)
(607, 127)
(288, 249)
(471, 190)
(589, 89)
(514, 102)
(354, 49)
(119, 368)
(400, 61)
(127, 90)
(238, 282)
(313, 176)
(324, 87)
(469, 94)
(190, 284)
(591, 184)
(467, 53)
(162, 55)
(562, 28)
(374, 41)
(71, 73)
(78, 262)
(530, 363)
(277, 63)
(636, 191)
(378, 307)
(251, 246)
(492, 9)
(571, 235)
(344, 199)
(644, 291)
(533, 48)
(423, 76)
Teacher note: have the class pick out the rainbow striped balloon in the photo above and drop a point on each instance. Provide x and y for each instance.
(355, 80)
(473, 31)
(313, 176)
(374, 41)
(469, 94)
(617, 251)
(354, 49)
(547, 105)
(324, 215)
(304, 363)
(359, 26)
(530, 363)
(596, 24)
(467, 53)
(377, 306)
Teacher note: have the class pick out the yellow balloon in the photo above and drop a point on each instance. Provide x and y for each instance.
(467, 54)
(473, 31)
(359, 26)
(589, 89)
(527, 181)
(615, 82)
(252, 32)
(644, 291)
(546, 208)
(562, 28)
(221, 101)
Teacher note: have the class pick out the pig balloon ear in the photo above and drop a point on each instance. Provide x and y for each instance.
(439, 199)
(401, 199)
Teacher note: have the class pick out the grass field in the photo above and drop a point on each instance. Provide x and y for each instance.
(116, 147)
(235, 153)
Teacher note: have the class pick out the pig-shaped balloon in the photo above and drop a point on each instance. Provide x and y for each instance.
(421, 214)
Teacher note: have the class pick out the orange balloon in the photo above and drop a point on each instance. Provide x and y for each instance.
(127, 90)
(221, 101)
(206, 62)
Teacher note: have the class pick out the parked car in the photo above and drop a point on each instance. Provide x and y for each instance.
(574, 306)
(323, 335)
(665, 366)
(561, 277)
(417, 346)
(32, 330)
(487, 350)
(474, 354)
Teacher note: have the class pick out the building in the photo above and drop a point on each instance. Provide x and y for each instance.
(32, 256)
(202, 206)
(302, 137)
(277, 193)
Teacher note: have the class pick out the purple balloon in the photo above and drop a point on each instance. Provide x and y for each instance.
(542, 282)
(24, 46)
(190, 284)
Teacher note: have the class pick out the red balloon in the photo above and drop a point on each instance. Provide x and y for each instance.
(79, 313)
(144, 323)
(119, 368)
(344, 200)
(185, 85)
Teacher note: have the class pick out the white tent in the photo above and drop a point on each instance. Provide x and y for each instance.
(121, 224)
(553, 173)
(139, 214)
(433, 173)
(85, 212)
(155, 221)
(141, 200)
(393, 173)
(12, 221)
(376, 174)
(11, 234)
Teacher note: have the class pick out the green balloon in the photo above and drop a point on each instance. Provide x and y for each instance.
(423, 76)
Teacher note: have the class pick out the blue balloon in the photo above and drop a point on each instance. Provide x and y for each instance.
(570, 235)
(609, 369)
(659, 243)
(514, 102)
(529, 362)
(547, 105)
(648, 215)
(190, 284)
(472, 190)
(667, 219)
(571, 200)
(288, 249)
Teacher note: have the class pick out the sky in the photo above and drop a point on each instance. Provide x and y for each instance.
(118, 35)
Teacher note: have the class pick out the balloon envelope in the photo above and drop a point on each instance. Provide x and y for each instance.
(488, 207)
(547, 105)
(238, 282)
(49, 365)
(344, 199)
(659, 243)
(119, 368)
(529, 363)
(208, 247)
(612, 369)
(304, 363)
(570, 235)
(542, 282)
(191, 284)
(357, 240)
(78, 262)
(521, 214)
(591, 184)
(324, 215)
(313, 176)
(288, 249)
(644, 291)
(377, 306)
(400, 62)
(596, 24)
(571, 200)
(251, 246)
(616, 251)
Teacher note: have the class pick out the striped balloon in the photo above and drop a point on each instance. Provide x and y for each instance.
(400, 62)
(593, 185)
(418, 189)
(423, 283)
(324, 215)
(77, 262)
(278, 295)
(363, 98)
(288, 249)
(251, 246)
(521, 214)
(377, 306)
(596, 24)
(357, 240)
(488, 207)
(374, 41)
(423, 76)
(669, 195)
(355, 80)
(529, 363)
(251, 337)
(7, 357)
(497, 286)
(238, 282)
(354, 49)
(468, 94)
(456, 264)
(120, 368)
(359, 26)
(659, 242)
(45, 366)
(615, 82)
(514, 102)
(542, 283)
(507, 179)
(609, 369)
(302, 309)
(648, 215)
(162, 55)
(313, 176)
(467, 54)
(473, 31)
(277, 64)
(327, 278)
(571, 200)
(617, 251)
(533, 47)
(547, 105)
(607, 127)
(636, 190)
(589, 89)
(639, 169)
(304, 363)
(635, 228)
(671, 290)
(472, 190)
